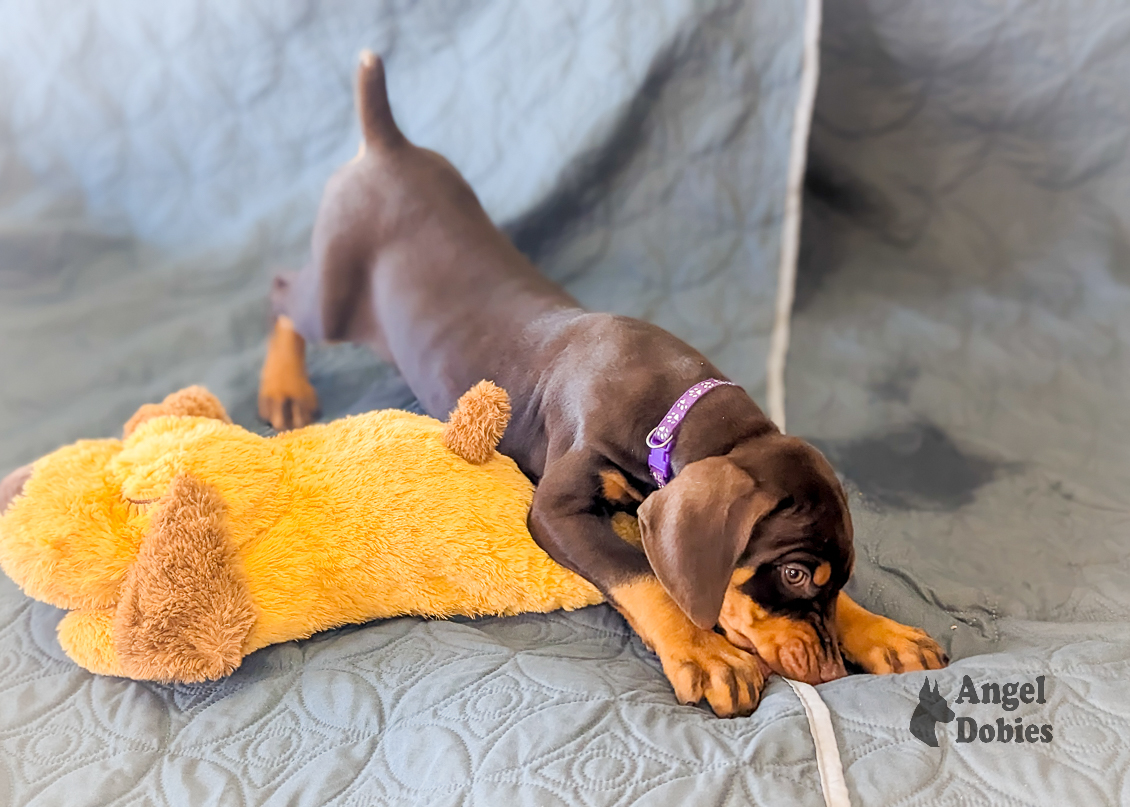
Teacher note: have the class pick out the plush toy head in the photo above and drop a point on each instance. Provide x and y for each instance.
(69, 540)
(192, 542)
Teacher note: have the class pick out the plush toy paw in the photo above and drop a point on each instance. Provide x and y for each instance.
(88, 638)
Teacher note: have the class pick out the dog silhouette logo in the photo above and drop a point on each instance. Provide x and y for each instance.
(932, 708)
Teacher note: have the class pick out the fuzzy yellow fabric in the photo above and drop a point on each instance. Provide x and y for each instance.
(363, 518)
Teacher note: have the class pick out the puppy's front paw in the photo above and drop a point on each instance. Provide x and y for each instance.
(884, 646)
(710, 667)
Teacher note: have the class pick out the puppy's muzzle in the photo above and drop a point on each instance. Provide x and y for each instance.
(804, 649)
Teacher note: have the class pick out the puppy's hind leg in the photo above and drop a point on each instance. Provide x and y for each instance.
(287, 399)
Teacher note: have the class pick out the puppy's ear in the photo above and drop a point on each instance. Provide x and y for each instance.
(695, 529)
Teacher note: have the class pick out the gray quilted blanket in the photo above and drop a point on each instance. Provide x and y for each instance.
(961, 349)
(958, 348)
(159, 162)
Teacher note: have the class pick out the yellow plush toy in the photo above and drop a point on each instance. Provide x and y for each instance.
(193, 542)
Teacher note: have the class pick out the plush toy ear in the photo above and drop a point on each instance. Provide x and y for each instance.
(188, 402)
(185, 609)
(477, 423)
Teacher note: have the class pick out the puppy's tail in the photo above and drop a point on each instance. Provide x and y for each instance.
(475, 426)
(377, 124)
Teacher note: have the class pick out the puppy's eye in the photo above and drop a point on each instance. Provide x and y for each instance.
(795, 574)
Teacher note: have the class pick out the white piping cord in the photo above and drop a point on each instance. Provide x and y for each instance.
(828, 761)
(790, 230)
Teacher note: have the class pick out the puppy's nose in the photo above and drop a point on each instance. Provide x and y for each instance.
(12, 486)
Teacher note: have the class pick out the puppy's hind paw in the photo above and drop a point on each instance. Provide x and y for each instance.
(287, 399)
(288, 409)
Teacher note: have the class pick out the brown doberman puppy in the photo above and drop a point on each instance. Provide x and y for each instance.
(752, 533)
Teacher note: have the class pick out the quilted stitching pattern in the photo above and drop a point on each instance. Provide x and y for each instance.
(564, 709)
(1086, 763)
(960, 350)
(161, 161)
(157, 160)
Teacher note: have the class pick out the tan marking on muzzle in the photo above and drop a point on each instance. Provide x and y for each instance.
(791, 647)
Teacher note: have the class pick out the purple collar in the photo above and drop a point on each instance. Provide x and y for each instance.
(661, 440)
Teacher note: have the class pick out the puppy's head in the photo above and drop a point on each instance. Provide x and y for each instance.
(758, 541)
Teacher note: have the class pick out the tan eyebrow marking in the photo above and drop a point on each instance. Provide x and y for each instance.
(740, 576)
(822, 574)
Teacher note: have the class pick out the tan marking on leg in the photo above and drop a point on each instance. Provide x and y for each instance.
(627, 527)
(616, 488)
(880, 645)
(287, 400)
(698, 663)
(791, 647)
